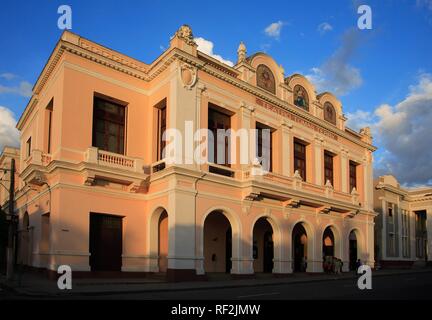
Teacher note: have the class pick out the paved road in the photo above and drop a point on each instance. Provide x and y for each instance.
(389, 287)
(407, 286)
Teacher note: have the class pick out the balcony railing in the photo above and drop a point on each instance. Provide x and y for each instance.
(295, 182)
(39, 158)
(113, 160)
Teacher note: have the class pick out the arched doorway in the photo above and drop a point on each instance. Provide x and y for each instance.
(263, 250)
(300, 247)
(163, 242)
(24, 240)
(353, 253)
(328, 243)
(217, 243)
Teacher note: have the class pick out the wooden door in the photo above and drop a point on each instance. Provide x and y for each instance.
(105, 242)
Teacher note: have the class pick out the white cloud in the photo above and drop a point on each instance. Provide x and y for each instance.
(23, 89)
(359, 119)
(8, 76)
(403, 131)
(9, 135)
(324, 27)
(206, 46)
(424, 3)
(336, 74)
(274, 29)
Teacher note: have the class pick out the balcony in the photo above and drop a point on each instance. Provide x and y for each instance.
(38, 158)
(113, 160)
(293, 191)
(107, 168)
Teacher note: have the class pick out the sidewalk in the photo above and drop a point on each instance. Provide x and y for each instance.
(34, 285)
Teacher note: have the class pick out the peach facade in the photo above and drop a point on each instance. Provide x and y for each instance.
(187, 219)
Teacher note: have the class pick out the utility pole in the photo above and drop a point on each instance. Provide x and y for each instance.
(12, 225)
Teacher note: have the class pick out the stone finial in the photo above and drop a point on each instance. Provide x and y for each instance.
(366, 131)
(297, 175)
(241, 53)
(366, 134)
(185, 33)
(282, 70)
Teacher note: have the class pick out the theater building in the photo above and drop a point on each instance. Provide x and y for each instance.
(403, 224)
(96, 191)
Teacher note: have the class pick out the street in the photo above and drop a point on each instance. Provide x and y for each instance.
(409, 286)
(389, 287)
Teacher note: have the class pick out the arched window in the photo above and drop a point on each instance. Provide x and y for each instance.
(329, 113)
(301, 98)
(266, 79)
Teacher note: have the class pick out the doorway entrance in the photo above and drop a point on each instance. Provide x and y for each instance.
(263, 246)
(352, 250)
(163, 242)
(106, 234)
(328, 243)
(299, 240)
(217, 243)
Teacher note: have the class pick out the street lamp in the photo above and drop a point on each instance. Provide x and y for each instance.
(12, 220)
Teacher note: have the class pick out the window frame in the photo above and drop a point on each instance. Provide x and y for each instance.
(330, 167)
(226, 125)
(28, 147)
(352, 178)
(301, 156)
(161, 128)
(120, 147)
(259, 139)
(49, 110)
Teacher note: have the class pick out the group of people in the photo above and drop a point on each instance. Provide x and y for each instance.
(332, 265)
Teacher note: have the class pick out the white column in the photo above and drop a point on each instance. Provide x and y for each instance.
(282, 255)
(315, 264)
(370, 245)
(384, 229)
(412, 235)
(318, 155)
(368, 182)
(344, 171)
(399, 230)
(287, 148)
(182, 227)
(245, 123)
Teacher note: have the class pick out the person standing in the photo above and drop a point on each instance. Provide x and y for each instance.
(304, 264)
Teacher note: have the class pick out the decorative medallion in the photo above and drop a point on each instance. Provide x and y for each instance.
(188, 75)
(265, 78)
(329, 113)
(301, 98)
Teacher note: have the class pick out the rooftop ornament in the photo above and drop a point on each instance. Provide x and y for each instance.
(241, 53)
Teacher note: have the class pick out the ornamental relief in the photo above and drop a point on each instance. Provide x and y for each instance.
(329, 113)
(301, 98)
(266, 79)
(188, 75)
(185, 33)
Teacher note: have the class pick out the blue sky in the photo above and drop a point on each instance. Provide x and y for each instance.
(368, 68)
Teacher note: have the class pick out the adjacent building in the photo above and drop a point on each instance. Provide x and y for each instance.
(403, 223)
(98, 188)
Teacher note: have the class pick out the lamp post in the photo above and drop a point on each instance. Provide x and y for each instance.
(12, 220)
